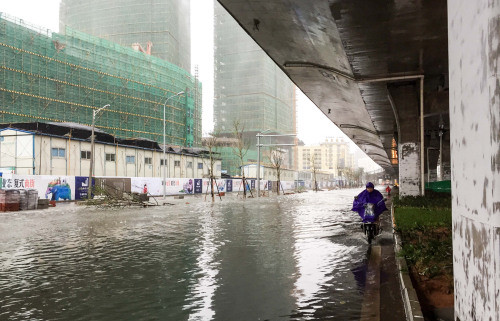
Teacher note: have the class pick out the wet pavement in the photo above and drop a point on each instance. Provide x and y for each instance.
(295, 257)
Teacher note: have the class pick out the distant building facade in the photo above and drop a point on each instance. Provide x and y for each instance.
(249, 88)
(331, 156)
(165, 24)
(270, 173)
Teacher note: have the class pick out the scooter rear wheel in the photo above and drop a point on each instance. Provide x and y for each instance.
(370, 234)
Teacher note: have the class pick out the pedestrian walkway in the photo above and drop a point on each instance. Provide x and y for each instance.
(383, 300)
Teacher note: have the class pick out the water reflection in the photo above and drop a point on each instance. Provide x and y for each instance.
(205, 282)
(327, 247)
(285, 258)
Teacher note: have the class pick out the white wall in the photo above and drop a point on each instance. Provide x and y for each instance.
(474, 55)
(16, 150)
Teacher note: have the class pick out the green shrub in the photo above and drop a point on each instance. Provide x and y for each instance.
(426, 239)
(408, 218)
(431, 200)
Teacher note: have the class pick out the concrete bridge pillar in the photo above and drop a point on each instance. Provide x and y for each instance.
(474, 47)
(406, 98)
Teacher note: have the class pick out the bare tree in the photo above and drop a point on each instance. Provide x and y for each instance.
(240, 149)
(211, 143)
(314, 170)
(358, 175)
(349, 174)
(276, 158)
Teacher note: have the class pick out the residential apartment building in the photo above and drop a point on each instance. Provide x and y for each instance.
(331, 156)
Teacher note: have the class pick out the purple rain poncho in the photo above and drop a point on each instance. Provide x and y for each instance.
(363, 198)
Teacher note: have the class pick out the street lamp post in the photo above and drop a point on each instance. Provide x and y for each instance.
(258, 161)
(92, 150)
(164, 144)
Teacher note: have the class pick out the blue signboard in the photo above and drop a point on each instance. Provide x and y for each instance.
(252, 184)
(82, 187)
(229, 185)
(198, 186)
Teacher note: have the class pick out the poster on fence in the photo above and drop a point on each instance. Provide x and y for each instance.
(237, 185)
(229, 185)
(287, 185)
(198, 186)
(82, 187)
(174, 186)
(221, 185)
(57, 188)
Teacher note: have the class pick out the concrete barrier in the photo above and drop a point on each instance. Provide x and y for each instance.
(412, 306)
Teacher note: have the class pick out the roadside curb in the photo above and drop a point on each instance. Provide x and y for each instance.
(410, 300)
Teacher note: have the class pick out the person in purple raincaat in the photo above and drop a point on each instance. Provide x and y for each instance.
(369, 195)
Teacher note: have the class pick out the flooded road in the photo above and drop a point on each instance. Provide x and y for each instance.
(296, 257)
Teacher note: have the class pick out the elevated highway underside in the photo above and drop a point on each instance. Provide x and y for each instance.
(380, 70)
(353, 58)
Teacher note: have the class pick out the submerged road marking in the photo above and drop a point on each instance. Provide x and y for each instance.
(370, 310)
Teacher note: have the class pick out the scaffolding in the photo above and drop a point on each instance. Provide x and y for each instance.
(46, 76)
(166, 24)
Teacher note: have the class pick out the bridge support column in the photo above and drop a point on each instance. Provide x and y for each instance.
(407, 99)
(409, 169)
(474, 39)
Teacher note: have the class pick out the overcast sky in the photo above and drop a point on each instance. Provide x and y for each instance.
(313, 125)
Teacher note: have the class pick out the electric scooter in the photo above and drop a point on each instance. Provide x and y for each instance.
(370, 225)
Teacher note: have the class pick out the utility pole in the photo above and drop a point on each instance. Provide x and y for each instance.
(164, 145)
(92, 151)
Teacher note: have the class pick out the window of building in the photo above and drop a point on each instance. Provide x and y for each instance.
(148, 160)
(110, 157)
(200, 165)
(189, 165)
(85, 154)
(130, 159)
(161, 162)
(59, 152)
(177, 163)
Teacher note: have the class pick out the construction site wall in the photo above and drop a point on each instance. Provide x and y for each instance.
(46, 76)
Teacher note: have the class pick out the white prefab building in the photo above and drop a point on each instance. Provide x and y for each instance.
(64, 149)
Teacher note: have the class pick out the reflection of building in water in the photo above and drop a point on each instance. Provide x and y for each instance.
(64, 149)
(258, 269)
(204, 280)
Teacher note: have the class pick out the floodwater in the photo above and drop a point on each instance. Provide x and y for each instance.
(296, 257)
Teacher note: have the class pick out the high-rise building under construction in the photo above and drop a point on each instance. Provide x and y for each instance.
(162, 27)
(51, 77)
(249, 88)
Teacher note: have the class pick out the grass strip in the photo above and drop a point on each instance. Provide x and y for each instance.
(408, 218)
(427, 240)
